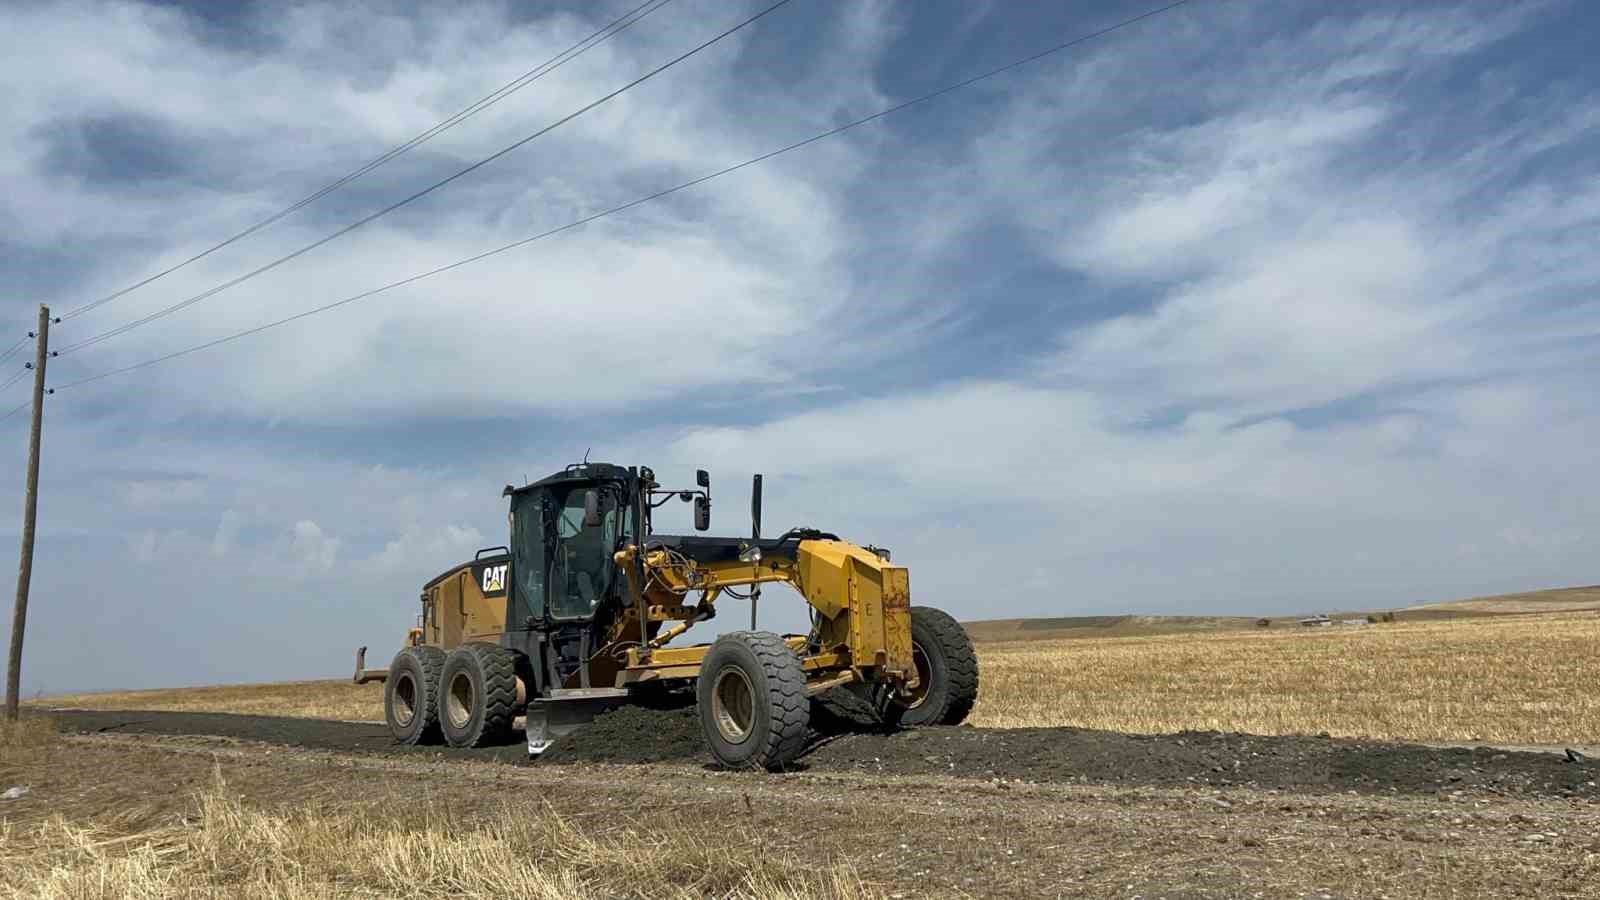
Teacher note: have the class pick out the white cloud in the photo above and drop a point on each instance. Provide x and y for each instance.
(424, 549)
(310, 549)
(227, 534)
(152, 494)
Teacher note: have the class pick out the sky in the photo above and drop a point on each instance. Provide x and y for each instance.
(1247, 308)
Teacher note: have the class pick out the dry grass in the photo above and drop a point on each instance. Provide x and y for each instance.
(1509, 680)
(27, 741)
(1506, 679)
(401, 845)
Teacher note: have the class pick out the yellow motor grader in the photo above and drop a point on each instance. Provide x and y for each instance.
(578, 615)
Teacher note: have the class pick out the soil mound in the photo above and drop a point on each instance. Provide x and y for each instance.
(637, 735)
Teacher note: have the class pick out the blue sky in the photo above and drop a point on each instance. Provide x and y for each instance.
(1242, 309)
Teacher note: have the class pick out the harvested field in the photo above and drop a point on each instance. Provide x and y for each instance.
(1517, 680)
(322, 699)
(1510, 680)
(115, 821)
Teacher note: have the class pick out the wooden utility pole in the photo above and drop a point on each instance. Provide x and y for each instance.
(30, 511)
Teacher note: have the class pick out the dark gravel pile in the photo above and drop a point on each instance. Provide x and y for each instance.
(635, 735)
(1301, 764)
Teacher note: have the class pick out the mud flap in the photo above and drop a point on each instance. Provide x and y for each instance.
(549, 719)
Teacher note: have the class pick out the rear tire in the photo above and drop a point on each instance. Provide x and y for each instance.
(752, 699)
(948, 667)
(410, 695)
(478, 695)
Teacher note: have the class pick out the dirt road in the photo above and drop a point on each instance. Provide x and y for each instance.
(1074, 814)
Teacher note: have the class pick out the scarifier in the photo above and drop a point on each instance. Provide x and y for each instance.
(576, 615)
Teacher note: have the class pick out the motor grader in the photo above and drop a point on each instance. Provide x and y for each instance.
(578, 614)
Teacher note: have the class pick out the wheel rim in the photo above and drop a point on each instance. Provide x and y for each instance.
(919, 694)
(733, 705)
(405, 700)
(462, 700)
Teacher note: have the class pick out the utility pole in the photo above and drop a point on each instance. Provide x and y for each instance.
(30, 511)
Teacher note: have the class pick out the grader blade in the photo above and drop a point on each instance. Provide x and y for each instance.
(565, 711)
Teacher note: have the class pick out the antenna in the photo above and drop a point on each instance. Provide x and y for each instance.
(586, 455)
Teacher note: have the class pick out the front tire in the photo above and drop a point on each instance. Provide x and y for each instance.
(411, 695)
(478, 695)
(752, 699)
(948, 670)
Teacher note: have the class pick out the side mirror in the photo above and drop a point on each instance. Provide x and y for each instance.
(702, 478)
(591, 509)
(702, 513)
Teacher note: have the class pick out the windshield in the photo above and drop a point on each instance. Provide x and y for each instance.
(582, 568)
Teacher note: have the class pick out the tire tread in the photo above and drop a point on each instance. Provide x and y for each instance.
(789, 707)
(495, 669)
(430, 663)
(961, 663)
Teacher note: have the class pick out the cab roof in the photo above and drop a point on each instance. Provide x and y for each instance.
(577, 472)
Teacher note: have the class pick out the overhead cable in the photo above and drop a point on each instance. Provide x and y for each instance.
(629, 205)
(12, 350)
(184, 304)
(611, 29)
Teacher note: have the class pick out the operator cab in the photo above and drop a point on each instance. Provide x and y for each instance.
(566, 590)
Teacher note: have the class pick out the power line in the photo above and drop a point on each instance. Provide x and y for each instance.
(612, 29)
(21, 373)
(17, 409)
(630, 204)
(12, 350)
(122, 329)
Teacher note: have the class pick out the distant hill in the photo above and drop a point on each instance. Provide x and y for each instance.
(1100, 626)
(1573, 599)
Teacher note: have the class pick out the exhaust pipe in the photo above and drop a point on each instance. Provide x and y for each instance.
(755, 542)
